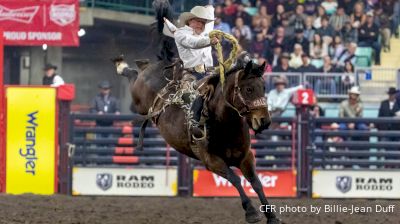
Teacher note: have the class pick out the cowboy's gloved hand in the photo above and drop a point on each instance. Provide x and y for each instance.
(214, 41)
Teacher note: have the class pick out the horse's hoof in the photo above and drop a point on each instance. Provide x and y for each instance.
(274, 221)
(253, 217)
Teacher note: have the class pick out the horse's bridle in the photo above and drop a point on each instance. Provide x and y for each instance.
(245, 106)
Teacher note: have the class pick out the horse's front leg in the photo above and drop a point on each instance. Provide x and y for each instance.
(249, 171)
(218, 166)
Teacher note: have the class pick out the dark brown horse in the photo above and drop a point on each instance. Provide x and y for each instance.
(231, 113)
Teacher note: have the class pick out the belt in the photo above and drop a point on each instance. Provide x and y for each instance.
(200, 69)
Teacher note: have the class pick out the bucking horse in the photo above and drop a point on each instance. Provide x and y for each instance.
(233, 107)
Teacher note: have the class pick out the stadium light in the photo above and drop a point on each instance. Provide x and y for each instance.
(44, 47)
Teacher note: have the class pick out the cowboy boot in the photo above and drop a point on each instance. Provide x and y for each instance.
(197, 128)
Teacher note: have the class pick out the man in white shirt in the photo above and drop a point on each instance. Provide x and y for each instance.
(194, 48)
(279, 98)
(50, 76)
(194, 45)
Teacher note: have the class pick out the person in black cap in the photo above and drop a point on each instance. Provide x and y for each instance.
(105, 103)
(50, 77)
(300, 39)
(389, 108)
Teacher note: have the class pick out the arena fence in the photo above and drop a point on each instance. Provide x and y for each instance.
(361, 163)
(301, 155)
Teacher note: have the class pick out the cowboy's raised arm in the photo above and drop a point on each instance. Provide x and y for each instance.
(190, 41)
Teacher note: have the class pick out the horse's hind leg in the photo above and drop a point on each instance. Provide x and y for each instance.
(218, 166)
(249, 171)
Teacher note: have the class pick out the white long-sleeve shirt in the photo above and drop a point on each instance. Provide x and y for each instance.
(193, 49)
(57, 81)
(280, 100)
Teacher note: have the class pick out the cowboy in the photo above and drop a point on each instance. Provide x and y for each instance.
(389, 108)
(352, 108)
(194, 48)
(193, 43)
(50, 77)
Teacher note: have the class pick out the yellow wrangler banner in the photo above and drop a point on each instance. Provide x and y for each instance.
(31, 140)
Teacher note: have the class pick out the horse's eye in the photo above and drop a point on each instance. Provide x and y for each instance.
(249, 90)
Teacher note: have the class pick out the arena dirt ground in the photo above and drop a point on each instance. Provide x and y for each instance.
(161, 210)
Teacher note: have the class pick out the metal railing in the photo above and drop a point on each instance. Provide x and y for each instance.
(135, 6)
(330, 85)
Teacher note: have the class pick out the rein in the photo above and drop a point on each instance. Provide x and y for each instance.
(247, 106)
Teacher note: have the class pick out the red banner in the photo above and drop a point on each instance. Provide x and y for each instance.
(280, 183)
(51, 22)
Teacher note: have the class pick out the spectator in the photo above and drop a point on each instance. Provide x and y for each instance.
(368, 37)
(271, 6)
(258, 46)
(309, 30)
(280, 39)
(383, 21)
(283, 65)
(336, 47)
(262, 13)
(244, 30)
(311, 6)
(370, 4)
(318, 20)
(348, 54)
(349, 34)
(348, 79)
(229, 11)
(289, 30)
(298, 19)
(316, 110)
(105, 103)
(50, 76)
(299, 39)
(278, 98)
(328, 66)
(240, 12)
(357, 17)
(352, 108)
(326, 84)
(329, 6)
(318, 48)
(290, 6)
(222, 26)
(295, 57)
(266, 29)
(325, 29)
(306, 66)
(396, 18)
(278, 16)
(338, 20)
(348, 5)
(273, 58)
(243, 43)
(389, 108)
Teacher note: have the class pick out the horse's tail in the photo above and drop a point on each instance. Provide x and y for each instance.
(166, 45)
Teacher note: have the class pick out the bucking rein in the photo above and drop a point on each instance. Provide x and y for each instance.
(221, 68)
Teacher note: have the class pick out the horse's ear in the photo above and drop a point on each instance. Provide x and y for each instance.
(248, 68)
(260, 70)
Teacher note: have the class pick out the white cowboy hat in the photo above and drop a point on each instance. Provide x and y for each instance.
(355, 90)
(202, 12)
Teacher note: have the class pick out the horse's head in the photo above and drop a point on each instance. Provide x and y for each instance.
(245, 92)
